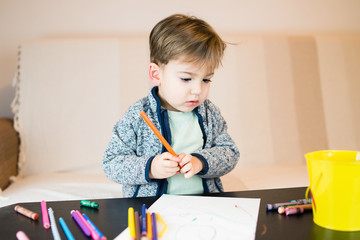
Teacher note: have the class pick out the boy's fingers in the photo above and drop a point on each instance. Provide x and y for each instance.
(181, 155)
(171, 164)
(186, 168)
(185, 160)
(169, 156)
(189, 174)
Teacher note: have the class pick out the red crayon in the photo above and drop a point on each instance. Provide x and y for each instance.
(26, 212)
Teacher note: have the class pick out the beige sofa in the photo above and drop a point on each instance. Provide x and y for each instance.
(282, 96)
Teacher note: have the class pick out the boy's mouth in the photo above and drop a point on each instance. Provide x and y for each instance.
(192, 103)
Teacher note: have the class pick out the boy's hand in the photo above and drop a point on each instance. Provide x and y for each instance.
(163, 166)
(190, 165)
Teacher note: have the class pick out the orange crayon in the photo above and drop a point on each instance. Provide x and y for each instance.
(26, 212)
(149, 226)
(157, 133)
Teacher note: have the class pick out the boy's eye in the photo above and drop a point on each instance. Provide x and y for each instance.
(186, 79)
(206, 80)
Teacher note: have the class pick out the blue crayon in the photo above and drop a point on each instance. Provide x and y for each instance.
(143, 221)
(93, 226)
(67, 232)
(154, 230)
(305, 201)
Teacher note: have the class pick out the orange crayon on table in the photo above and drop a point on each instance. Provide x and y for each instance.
(26, 212)
(149, 226)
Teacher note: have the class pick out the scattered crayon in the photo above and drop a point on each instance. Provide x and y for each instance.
(102, 237)
(89, 204)
(80, 223)
(45, 215)
(275, 206)
(26, 212)
(143, 221)
(131, 223)
(20, 235)
(290, 210)
(293, 211)
(282, 209)
(304, 200)
(54, 229)
(66, 230)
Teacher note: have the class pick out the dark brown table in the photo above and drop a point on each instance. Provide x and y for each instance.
(111, 217)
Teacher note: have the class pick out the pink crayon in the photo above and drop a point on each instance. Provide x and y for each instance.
(45, 215)
(20, 235)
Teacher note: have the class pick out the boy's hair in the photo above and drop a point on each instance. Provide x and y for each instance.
(185, 36)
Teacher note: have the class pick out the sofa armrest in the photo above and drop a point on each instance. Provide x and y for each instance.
(9, 152)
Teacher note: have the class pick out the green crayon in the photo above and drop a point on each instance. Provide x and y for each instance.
(89, 204)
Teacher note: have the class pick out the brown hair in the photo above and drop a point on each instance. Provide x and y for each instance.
(185, 36)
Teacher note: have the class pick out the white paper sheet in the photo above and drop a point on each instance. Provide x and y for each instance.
(196, 217)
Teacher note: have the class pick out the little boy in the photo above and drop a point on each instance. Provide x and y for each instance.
(184, 53)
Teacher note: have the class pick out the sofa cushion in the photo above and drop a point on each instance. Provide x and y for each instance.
(69, 97)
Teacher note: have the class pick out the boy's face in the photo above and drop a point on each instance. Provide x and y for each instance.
(182, 85)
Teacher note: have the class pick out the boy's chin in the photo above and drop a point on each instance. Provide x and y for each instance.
(187, 109)
(181, 108)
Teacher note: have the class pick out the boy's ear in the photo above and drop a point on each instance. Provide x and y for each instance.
(154, 73)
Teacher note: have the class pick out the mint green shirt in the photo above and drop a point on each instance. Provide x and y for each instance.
(186, 137)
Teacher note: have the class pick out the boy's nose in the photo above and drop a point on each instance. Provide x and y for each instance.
(196, 88)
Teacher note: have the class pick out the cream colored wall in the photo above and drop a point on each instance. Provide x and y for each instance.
(24, 20)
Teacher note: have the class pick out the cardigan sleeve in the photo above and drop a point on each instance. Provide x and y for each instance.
(125, 160)
(220, 154)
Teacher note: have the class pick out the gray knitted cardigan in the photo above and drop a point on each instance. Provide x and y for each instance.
(133, 146)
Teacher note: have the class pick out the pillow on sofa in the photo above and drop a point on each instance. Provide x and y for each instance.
(70, 93)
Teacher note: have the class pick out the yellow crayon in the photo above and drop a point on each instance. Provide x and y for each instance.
(131, 223)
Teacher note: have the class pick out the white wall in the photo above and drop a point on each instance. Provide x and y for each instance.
(24, 20)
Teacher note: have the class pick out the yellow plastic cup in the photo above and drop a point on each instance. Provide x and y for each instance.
(335, 189)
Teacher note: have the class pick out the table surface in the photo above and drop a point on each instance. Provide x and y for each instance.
(111, 217)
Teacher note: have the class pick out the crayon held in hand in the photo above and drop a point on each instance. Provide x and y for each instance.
(157, 133)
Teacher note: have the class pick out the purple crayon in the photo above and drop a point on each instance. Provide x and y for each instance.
(81, 224)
